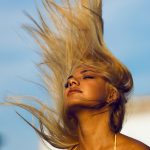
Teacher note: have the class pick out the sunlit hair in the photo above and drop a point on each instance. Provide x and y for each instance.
(74, 38)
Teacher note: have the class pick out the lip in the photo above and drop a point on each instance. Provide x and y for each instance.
(72, 91)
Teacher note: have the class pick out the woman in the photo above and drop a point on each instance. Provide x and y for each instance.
(90, 86)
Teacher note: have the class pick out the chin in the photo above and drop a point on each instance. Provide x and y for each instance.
(72, 103)
(75, 104)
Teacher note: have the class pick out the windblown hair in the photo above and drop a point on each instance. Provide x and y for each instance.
(76, 39)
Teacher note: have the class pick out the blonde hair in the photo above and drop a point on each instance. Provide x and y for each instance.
(76, 39)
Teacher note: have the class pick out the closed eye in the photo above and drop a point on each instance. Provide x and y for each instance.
(88, 77)
(84, 77)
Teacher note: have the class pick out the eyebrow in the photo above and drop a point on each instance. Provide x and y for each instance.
(81, 72)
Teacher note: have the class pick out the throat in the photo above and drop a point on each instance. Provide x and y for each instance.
(93, 128)
(109, 146)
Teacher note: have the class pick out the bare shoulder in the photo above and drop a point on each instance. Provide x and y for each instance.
(126, 142)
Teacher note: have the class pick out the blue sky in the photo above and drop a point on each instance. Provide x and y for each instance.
(127, 34)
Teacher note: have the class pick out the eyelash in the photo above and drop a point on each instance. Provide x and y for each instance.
(84, 77)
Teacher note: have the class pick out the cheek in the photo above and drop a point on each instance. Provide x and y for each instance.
(95, 91)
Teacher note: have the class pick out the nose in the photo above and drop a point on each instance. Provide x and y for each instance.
(73, 81)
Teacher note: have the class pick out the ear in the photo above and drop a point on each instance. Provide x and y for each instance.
(112, 95)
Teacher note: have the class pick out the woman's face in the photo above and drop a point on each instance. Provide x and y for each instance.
(85, 87)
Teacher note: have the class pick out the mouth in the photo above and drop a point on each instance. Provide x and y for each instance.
(73, 92)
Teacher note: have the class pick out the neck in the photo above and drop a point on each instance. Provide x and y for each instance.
(93, 130)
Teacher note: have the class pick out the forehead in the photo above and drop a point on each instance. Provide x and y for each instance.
(82, 69)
